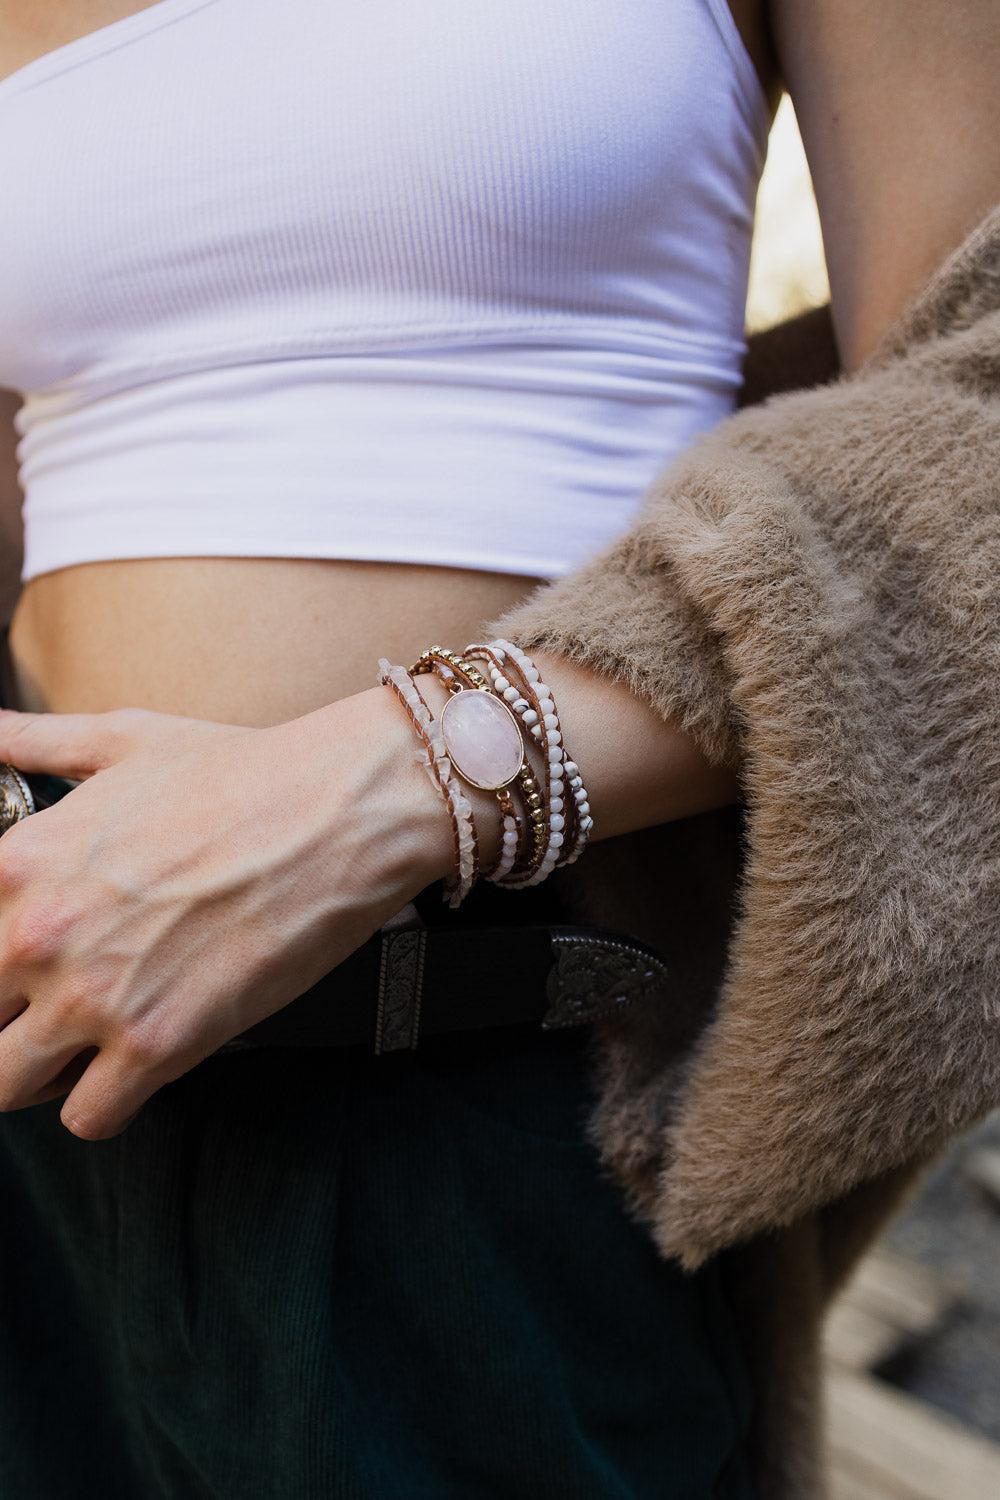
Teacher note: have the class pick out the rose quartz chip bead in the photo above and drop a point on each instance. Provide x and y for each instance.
(433, 755)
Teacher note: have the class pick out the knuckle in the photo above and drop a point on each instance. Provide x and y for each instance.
(32, 935)
(17, 860)
(73, 1010)
(142, 1046)
(117, 731)
(163, 1042)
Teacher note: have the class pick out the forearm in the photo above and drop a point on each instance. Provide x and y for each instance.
(203, 875)
(640, 769)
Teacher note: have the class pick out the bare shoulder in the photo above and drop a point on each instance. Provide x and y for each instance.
(900, 116)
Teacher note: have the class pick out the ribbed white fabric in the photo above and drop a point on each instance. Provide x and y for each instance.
(444, 282)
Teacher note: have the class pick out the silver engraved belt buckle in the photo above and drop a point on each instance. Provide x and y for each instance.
(594, 976)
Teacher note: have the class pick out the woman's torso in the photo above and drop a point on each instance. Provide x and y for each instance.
(250, 639)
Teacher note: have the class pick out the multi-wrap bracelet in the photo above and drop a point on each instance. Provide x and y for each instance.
(491, 725)
(567, 802)
(455, 673)
(493, 772)
(515, 678)
(433, 755)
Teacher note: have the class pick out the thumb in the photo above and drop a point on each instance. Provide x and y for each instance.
(71, 745)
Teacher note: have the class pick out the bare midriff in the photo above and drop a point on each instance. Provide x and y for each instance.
(239, 640)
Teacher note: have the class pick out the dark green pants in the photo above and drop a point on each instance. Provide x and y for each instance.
(320, 1273)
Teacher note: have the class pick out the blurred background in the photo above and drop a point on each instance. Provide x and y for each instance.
(787, 268)
(913, 1346)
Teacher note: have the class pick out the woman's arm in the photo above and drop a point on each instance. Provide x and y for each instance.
(900, 118)
(639, 769)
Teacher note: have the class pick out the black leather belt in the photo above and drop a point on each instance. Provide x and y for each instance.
(411, 981)
(439, 974)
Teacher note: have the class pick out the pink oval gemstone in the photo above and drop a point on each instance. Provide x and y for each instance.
(482, 738)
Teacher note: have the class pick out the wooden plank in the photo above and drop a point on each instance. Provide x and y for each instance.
(856, 1339)
(847, 1481)
(982, 1167)
(889, 1303)
(888, 1439)
(911, 1296)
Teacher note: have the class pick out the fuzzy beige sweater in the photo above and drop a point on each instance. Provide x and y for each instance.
(813, 591)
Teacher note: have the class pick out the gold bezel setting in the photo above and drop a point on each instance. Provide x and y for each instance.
(497, 706)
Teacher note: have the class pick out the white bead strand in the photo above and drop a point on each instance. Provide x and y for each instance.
(559, 767)
(537, 712)
(529, 845)
(584, 822)
(509, 845)
(527, 711)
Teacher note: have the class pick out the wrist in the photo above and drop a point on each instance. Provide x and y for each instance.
(485, 811)
(386, 825)
(396, 799)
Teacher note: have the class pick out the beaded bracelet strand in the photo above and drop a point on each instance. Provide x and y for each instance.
(434, 757)
(486, 745)
(579, 801)
(526, 703)
(512, 835)
(514, 855)
(444, 761)
(448, 669)
(567, 809)
(533, 792)
(534, 800)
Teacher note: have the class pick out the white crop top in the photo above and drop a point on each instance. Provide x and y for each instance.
(443, 282)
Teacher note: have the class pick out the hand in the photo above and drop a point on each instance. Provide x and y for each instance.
(200, 877)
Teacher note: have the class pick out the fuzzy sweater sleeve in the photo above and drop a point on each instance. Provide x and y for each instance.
(813, 592)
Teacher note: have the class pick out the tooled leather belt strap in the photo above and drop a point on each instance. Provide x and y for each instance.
(410, 981)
